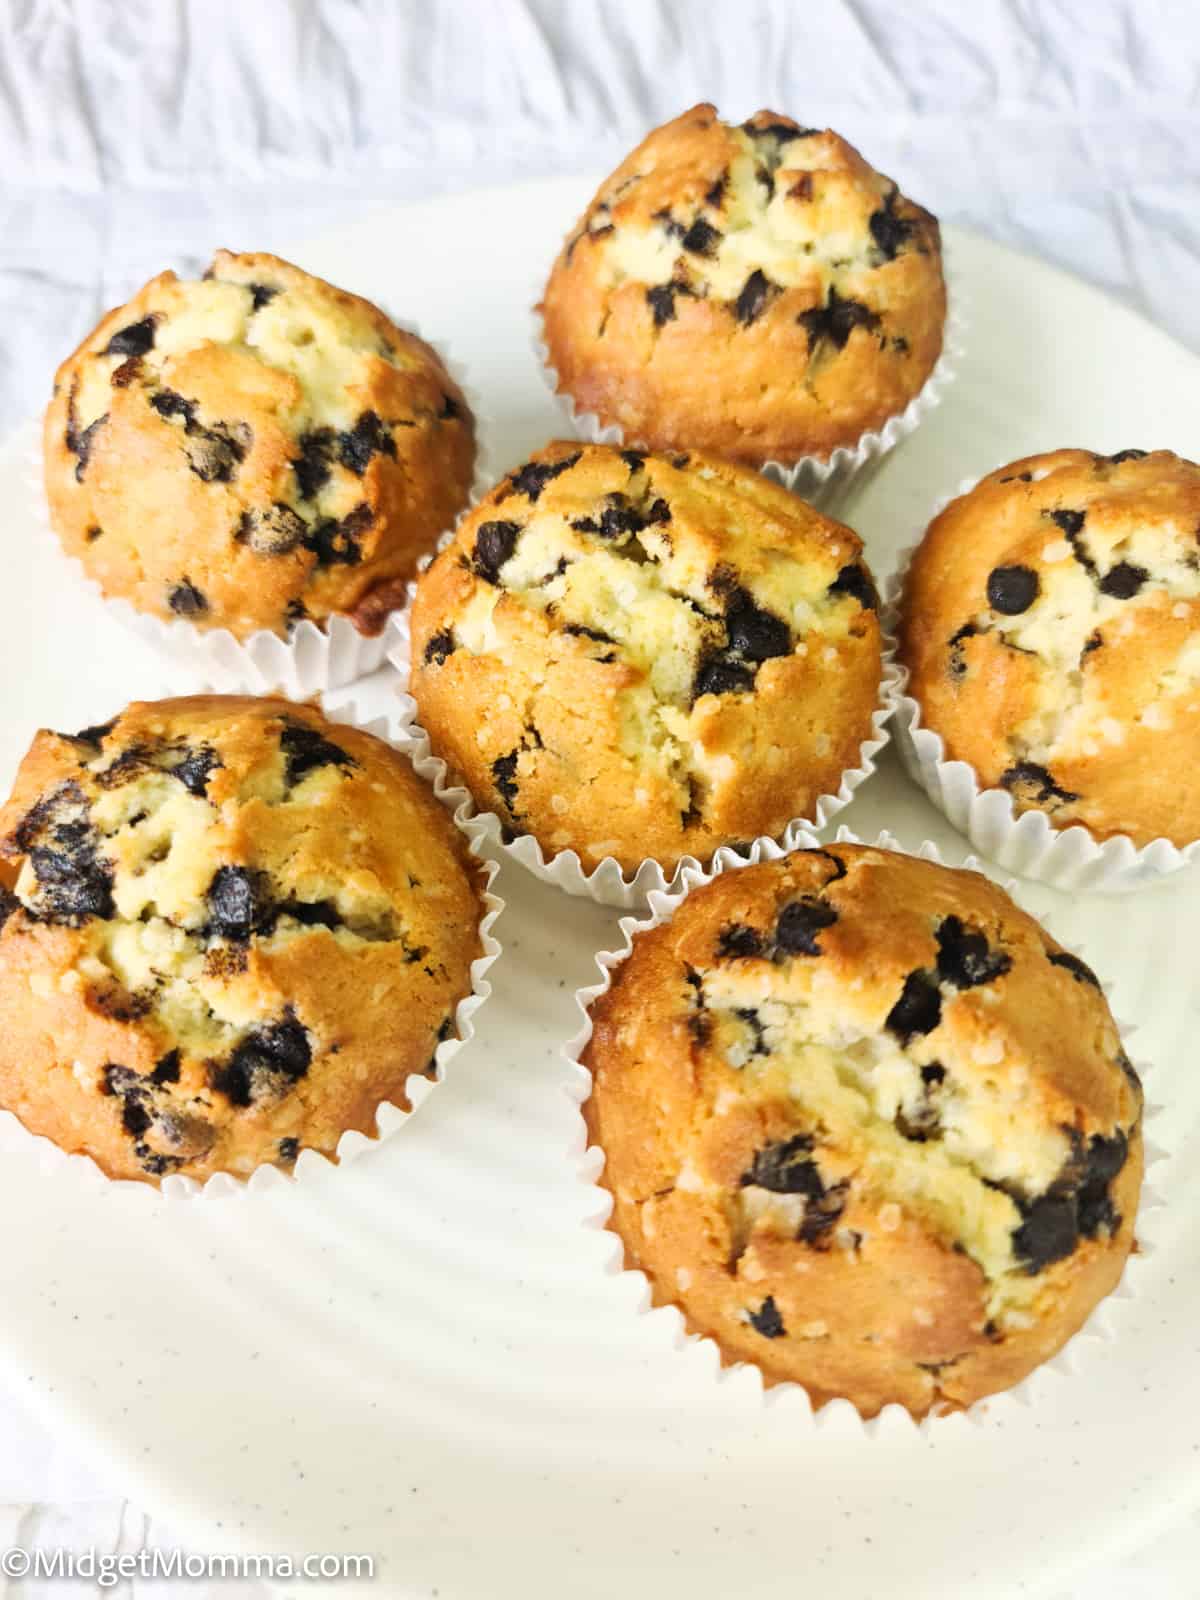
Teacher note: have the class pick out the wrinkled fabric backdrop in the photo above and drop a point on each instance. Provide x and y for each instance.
(139, 134)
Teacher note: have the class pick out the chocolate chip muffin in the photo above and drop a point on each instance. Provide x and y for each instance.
(642, 656)
(1051, 628)
(868, 1125)
(767, 260)
(231, 930)
(254, 449)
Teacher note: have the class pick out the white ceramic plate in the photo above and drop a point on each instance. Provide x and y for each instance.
(422, 1355)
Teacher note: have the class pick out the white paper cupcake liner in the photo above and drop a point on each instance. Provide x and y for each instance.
(608, 883)
(1103, 1326)
(312, 658)
(1027, 844)
(62, 1167)
(824, 482)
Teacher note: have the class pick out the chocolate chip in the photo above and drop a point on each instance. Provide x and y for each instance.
(836, 320)
(535, 475)
(451, 410)
(933, 1072)
(755, 295)
(802, 189)
(800, 922)
(1011, 590)
(1105, 1160)
(273, 530)
(133, 340)
(821, 1212)
(856, 581)
(767, 1321)
(716, 191)
(494, 545)
(965, 958)
(8, 904)
(702, 238)
(288, 1151)
(126, 373)
(195, 769)
(673, 229)
(311, 913)
(755, 633)
(661, 300)
(94, 735)
(737, 940)
(168, 404)
(261, 294)
(306, 749)
(1047, 1234)
(889, 231)
(93, 534)
(439, 647)
(784, 132)
(79, 442)
(918, 1010)
(74, 882)
(1127, 455)
(1123, 581)
(1070, 523)
(1034, 784)
(266, 1064)
(786, 1168)
(753, 1021)
(312, 465)
(214, 454)
(1078, 969)
(1094, 641)
(167, 1068)
(716, 675)
(504, 776)
(239, 903)
(1018, 477)
(186, 600)
(337, 543)
(579, 630)
(369, 437)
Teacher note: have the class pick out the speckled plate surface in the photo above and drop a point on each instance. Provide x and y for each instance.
(423, 1355)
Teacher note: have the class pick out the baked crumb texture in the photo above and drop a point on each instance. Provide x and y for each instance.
(642, 656)
(1051, 628)
(868, 1125)
(231, 930)
(758, 291)
(254, 449)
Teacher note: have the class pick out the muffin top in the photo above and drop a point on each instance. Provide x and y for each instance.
(1051, 628)
(768, 258)
(630, 655)
(867, 1124)
(253, 449)
(233, 929)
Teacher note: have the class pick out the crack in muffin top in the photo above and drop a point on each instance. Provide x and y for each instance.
(232, 929)
(872, 1091)
(254, 448)
(1051, 626)
(636, 655)
(809, 287)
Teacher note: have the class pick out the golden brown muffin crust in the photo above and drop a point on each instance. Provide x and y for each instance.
(641, 656)
(1051, 629)
(757, 291)
(233, 930)
(254, 448)
(868, 1125)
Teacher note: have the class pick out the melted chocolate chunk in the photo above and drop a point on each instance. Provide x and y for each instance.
(836, 320)
(261, 294)
(890, 232)
(535, 475)
(1033, 783)
(337, 543)
(716, 675)
(133, 340)
(783, 132)
(767, 1321)
(756, 294)
(167, 1068)
(855, 581)
(266, 1064)
(661, 300)
(755, 633)
(800, 923)
(288, 1151)
(186, 600)
(918, 1010)
(369, 437)
(273, 530)
(738, 940)
(239, 904)
(74, 882)
(504, 776)
(965, 958)
(1127, 455)
(786, 1168)
(195, 768)
(702, 238)
(94, 735)
(1078, 969)
(306, 749)
(1123, 581)
(494, 545)
(439, 647)
(312, 465)
(1012, 590)
(1048, 1232)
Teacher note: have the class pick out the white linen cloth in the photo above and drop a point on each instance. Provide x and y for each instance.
(139, 134)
